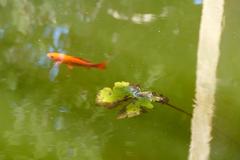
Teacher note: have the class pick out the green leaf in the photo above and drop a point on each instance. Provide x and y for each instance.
(105, 96)
(133, 109)
(121, 90)
(129, 111)
(110, 97)
(121, 84)
(144, 102)
(122, 95)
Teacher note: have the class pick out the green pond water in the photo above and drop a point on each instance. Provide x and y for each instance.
(151, 43)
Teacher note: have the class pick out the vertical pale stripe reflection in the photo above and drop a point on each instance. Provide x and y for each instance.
(207, 61)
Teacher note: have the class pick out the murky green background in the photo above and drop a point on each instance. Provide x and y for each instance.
(152, 43)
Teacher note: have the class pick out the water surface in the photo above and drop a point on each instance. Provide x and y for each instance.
(150, 43)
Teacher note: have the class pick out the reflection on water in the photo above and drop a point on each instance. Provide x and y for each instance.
(63, 109)
(54, 71)
(59, 123)
(11, 81)
(198, 2)
(43, 60)
(14, 137)
(136, 18)
(3, 3)
(60, 30)
(22, 13)
(1, 33)
(45, 130)
(155, 73)
(140, 18)
(95, 12)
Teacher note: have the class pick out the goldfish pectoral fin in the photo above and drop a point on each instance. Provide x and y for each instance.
(70, 66)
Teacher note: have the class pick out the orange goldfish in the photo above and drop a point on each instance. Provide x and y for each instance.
(71, 61)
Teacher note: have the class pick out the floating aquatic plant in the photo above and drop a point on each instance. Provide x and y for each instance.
(131, 99)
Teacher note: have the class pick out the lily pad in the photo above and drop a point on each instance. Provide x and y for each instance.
(134, 102)
(108, 97)
(144, 102)
(135, 108)
(105, 96)
(129, 111)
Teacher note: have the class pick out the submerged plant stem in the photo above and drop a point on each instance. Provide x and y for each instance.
(179, 109)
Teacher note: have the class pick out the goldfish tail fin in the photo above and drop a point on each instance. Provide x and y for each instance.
(100, 65)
